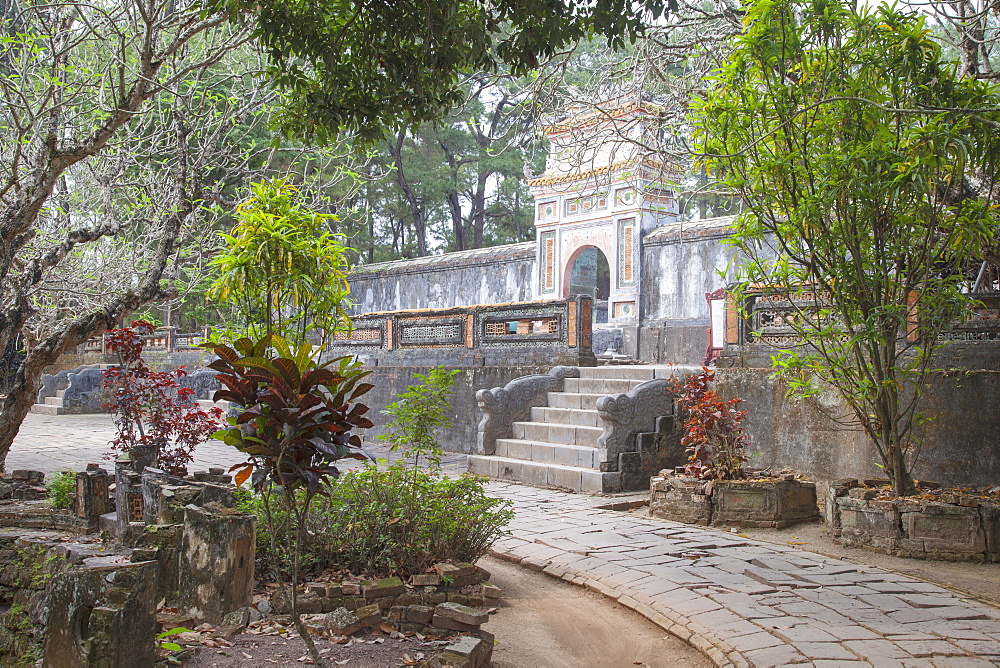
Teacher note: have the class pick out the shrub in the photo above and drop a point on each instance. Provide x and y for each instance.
(418, 414)
(396, 521)
(152, 407)
(401, 520)
(62, 488)
(716, 442)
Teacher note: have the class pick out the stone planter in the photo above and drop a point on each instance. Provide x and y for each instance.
(765, 502)
(953, 528)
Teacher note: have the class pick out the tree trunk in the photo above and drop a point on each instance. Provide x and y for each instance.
(457, 223)
(24, 389)
(416, 206)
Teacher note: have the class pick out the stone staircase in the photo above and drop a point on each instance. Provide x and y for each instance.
(52, 405)
(604, 431)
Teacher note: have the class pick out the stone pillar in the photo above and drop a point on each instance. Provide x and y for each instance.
(216, 563)
(92, 493)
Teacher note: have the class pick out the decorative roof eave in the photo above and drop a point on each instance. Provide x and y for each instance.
(600, 171)
(706, 228)
(598, 116)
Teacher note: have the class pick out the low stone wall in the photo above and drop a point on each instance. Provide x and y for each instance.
(755, 503)
(956, 528)
(800, 434)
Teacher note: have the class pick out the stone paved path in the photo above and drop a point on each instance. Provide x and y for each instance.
(742, 602)
(745, 602)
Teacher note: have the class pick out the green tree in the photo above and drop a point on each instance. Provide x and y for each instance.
(850, 139)
(368, 65)
(95, 202)
(283, 272)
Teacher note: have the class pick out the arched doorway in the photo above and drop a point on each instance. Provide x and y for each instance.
(590, 274)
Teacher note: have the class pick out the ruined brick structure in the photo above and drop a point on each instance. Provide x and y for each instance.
(70, 598)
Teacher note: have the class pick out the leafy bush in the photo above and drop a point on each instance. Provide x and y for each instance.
(152, 407)
(62, 487)
(393, 521)
(716, 442)
(419, 413)
(401, 520)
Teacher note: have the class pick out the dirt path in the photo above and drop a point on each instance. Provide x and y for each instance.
(546, 623)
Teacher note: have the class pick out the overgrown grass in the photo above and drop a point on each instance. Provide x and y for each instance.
(61, 488)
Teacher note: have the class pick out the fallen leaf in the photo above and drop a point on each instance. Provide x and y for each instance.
(386, 627)
(246, 656)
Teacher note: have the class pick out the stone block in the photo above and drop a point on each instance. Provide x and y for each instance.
(104, 616)
(681, 500)
(342, 622)
(373, 589)
(369, 615)
(989, 514)
(448, 624)
(461, 613)
(946, 528)
(216, 563)
(351, 588)
(491, 591)
(419, 614)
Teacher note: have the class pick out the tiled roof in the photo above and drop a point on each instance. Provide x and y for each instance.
(491, 255)
(682, 229)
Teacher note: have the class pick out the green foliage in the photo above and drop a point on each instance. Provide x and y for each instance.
(376, 64)
(283, 272)
(297, 415)
(715, 440)
(171, 646)
(61, 489)
(394, 521)
(419, 413)
(866, 164)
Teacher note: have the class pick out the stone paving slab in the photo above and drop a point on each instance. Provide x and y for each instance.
(745, 602)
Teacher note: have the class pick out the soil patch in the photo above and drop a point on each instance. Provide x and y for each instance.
(376, 650)
(540, 623)
(546, 623)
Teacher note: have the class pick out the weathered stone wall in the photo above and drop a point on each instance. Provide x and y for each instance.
(680, 263)
(960, 444)
(495, 275)
(390, 381)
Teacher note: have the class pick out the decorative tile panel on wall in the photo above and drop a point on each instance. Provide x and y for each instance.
(547, 279)
(626, 253)
(586, 204)
(547, 210)
(623, 310)
(625, 197)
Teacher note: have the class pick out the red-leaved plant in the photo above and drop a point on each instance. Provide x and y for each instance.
(716, 442)
(152, 407)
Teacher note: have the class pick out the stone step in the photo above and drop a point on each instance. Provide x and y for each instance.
(573, 400)
(548, 453)
(48, 409)
(574, 416)
(205, 404)
(623, 372)
(60, 393)
(53, 401)
(602, 386)
(539, 474)
(568, 434)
